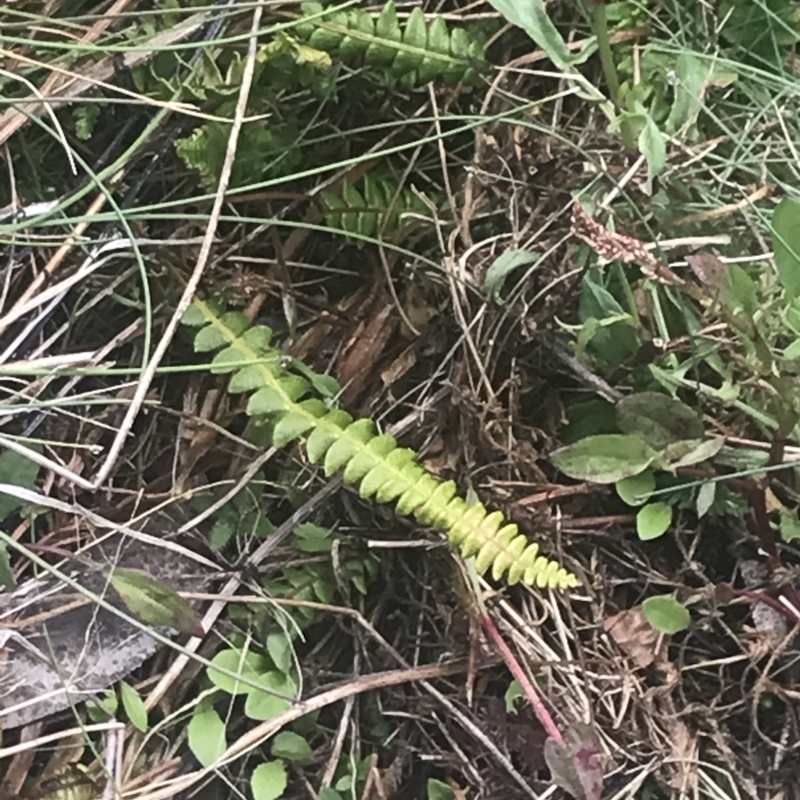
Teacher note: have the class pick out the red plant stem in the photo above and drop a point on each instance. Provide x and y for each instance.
(761, 597)
(490, 629)
(757, 499)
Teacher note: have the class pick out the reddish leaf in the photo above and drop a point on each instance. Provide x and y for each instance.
(577, 764)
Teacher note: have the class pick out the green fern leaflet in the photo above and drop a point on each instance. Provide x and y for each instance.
(353, 447)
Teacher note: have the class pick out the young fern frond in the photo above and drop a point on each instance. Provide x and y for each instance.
(374, 462)
(415, 54)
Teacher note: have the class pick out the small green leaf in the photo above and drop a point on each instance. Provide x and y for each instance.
(246, 379)
(786, 244)
(258, 337)
(220, 534)
(793, 350)
(279, 647)
(313, 538)
(705, 498)
(637, 489)
(653, 520)
(103, 707)
(658, 419)
(17, 470)
(268, 781)
(606, 458)
(134, 706)
(265, 401)
(691, 451)
(337, 455)
(6, 573)
(226, 360)
(154, 602)
(194, 317)
(666, 614)
(261, 705)
(502, 267)
(235, 322)
(653, 146)
(532, 17)
(246, 665)
(513, 693)
(290, 427)
(290, 746)
(790, 527)
(206, 735)
(439, 790)
(208, 339)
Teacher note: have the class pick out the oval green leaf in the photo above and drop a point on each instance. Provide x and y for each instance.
(290, 746)
(154, 602)
(134, 706)
(206, 735)
(786, 244)
(691, 451)
(607, 458)
(653, 521)
(637, 489)
(658, 419)
(248, 665)
(268, 781)
(666, 614)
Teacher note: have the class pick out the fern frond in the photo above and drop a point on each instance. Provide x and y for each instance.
(415, 54)
(373, 462)
(377, 208)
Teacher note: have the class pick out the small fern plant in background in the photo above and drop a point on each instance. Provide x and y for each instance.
(371, 461)
(413, 54)
(379, 208)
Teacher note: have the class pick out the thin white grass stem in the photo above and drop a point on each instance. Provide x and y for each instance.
(202, 260)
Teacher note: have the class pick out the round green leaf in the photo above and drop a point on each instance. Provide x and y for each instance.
(637, 489)
(290, 746)
(653, 520)
(247, 665)
(666, 614)
(273, 700)
(607, 458)
(268, 781)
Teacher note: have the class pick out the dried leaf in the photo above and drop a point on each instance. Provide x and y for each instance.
(364, 348)
(635, 636)
(709, 269)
